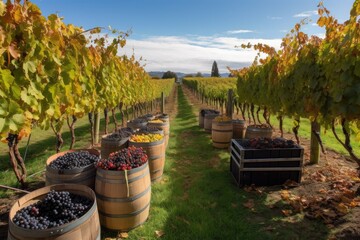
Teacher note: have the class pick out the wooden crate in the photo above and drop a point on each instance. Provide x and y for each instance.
(265, 167)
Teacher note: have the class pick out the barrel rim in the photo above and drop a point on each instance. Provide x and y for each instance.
(255, 129)
(147, 144)
(239, 121)
(103, 138)
(118, 172)
(55, 231)
(71, 171)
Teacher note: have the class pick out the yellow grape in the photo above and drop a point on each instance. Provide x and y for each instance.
(222, 118)
(146, 137)
(156, 121)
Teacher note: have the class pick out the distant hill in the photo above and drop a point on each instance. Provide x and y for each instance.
(181, 75)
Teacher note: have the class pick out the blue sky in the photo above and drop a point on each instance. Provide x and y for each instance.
(188, 35)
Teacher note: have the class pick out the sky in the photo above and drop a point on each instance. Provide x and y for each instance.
(188, 35)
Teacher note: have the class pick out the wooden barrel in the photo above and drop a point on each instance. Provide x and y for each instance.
(208, 121)
(136, 124)
(123, 198)
(156, 155)
(86, 227)
(148, 117)
(164, 117)
(254, 132)
(84, 176)
(152, 130)
(164, 126)
(201, 119)
(221, 134)
(112, 145)
(239, 128)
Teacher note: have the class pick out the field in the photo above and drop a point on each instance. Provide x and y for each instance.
(197, 198)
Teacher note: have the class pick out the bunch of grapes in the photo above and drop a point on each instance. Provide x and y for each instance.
(58, 208)
(265, 143)
(203, 112)
(146, 138)
(150, 129)
(120, 134)
(260, 126)
(156, 121)
(73, 160)
(138, 120)
(222, 118)
(125, 159)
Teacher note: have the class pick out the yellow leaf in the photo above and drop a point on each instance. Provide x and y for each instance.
(159, 234)
(285, 195)
(342, 208)
(123, 235)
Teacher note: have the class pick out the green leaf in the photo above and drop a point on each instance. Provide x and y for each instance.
(25, 97)
(12, 125)
(6, 78)
(19, 119)
(2, 124)
(14, 108)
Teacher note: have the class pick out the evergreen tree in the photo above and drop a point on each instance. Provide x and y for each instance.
(215, 70)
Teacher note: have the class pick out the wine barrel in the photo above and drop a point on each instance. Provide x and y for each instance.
(156, 154)
(201, 120)
(112, 145)
(164, 126)
(148, 117)
(164, 117)
(84, 176)
(221, 134)
(239, 128)
(257, 132)
(86, 227)
(136, 124)
(152, 130)
(123, 197)
(208, 121)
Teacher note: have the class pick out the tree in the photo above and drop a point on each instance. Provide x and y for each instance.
(198, 74)
(215, 70)
(170, 74)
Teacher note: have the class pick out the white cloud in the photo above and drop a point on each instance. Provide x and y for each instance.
(190, 54)
(306, 14)
(240, 31)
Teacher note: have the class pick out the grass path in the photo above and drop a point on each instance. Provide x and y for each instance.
(197, 199)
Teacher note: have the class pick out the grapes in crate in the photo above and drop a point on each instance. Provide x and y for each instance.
(266, 143)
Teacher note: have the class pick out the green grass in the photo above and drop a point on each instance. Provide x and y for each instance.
(42, 145)
(327, 136)
(198, 200)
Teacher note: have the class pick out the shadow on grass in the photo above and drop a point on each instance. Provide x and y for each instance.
(204, 203)
(40, 150)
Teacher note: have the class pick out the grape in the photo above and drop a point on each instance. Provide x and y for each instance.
(73, 160)
(149, 137)
(125, 159)
(120, 134)
(58, 208)
(208, 111)
(265, 143)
